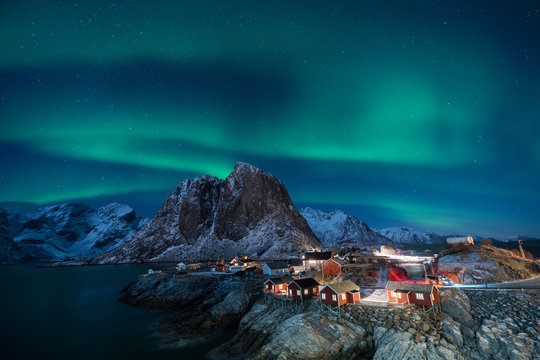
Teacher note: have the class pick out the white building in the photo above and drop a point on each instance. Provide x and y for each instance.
(275, 268)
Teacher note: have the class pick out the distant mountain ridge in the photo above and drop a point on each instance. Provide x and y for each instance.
(68, 231)
(341, 229)
(249, 212)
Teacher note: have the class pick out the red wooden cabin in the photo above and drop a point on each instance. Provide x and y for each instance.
(277, 284)
(303, 288)
(181, 274)
(412, 293)
(340, 293)
(332, 267)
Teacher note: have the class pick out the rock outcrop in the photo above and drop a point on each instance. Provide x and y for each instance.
(489, 263)
(396, 345)
(268, 332)
(341, 229)
(250, 212)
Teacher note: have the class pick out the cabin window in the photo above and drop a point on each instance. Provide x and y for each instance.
(298, 292)
(323, 296)
(306, 291)
(343, 296)
(399, 295)
(392, 294)
(290, 292)
(420, 296)
(334, 297)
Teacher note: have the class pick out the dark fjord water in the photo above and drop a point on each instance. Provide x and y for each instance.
(73, 313)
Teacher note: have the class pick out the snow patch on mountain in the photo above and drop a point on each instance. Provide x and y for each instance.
(73, 230)
(341, 229)
(405, 235)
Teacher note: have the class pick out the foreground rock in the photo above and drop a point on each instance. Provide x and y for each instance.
(200, 305)
(269, 332)
(206, 218)
(489, 263)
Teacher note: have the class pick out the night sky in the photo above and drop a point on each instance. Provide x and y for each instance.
(413, 113)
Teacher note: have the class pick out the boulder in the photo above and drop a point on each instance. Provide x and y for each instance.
(451, 330)
(495, 340)
(394, 345)
(455, 303)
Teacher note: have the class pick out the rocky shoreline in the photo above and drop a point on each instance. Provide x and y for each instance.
(472, 325)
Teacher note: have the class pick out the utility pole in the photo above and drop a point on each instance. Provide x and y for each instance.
(520, 242)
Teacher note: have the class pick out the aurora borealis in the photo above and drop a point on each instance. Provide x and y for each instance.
(413, 113)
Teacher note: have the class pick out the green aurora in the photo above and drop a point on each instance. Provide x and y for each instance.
(402, 113)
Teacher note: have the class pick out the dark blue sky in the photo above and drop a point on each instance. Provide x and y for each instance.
(415, 113)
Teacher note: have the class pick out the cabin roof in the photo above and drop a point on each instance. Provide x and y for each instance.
(406, 287)
(274, 265)
(343, 286)
(307, 282)
(295, 262)
(339, 261)
(251, 268)
(325, 255)
(281, 279)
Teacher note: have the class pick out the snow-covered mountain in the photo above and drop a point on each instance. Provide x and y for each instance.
(72, 230)
(341, 229)
(404, 235)
(9, 250)
(250, 212)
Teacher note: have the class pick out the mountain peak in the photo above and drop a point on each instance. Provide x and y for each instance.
(249, 212)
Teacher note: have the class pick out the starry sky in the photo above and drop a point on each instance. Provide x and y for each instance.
(404, 113)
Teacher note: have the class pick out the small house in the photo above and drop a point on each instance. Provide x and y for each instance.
(314, 260)
(215, 268)
(275, 268)
(277, 284)
(181, 274)
(181, 266)
(253, 271)
(303, 288)
(333, 266)
(468, 240)
(406, 293)
(340, 293)
(295, 266)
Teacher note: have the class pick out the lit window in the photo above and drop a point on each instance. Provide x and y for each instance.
(392, 294)
(290, 292)
(298, 292)
(323, 296)
(306, 291)
(343, 296)
(399, 295)
(420, 296)
(334, 297)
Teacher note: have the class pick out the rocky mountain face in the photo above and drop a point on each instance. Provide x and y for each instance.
(404, 235)
(249, 212)
(69, 231)
(341, 229)
(9, 250)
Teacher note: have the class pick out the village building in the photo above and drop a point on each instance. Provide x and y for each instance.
(275, 268)
(220, 268)
(340, 293)
(180, 275)
(277, 284)
(181, 266)
(295, 266)
(333, 266)
(303, 289)
(249, 272)
(405, 293)
(243, 261)
(468, 240)
(314, 260)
